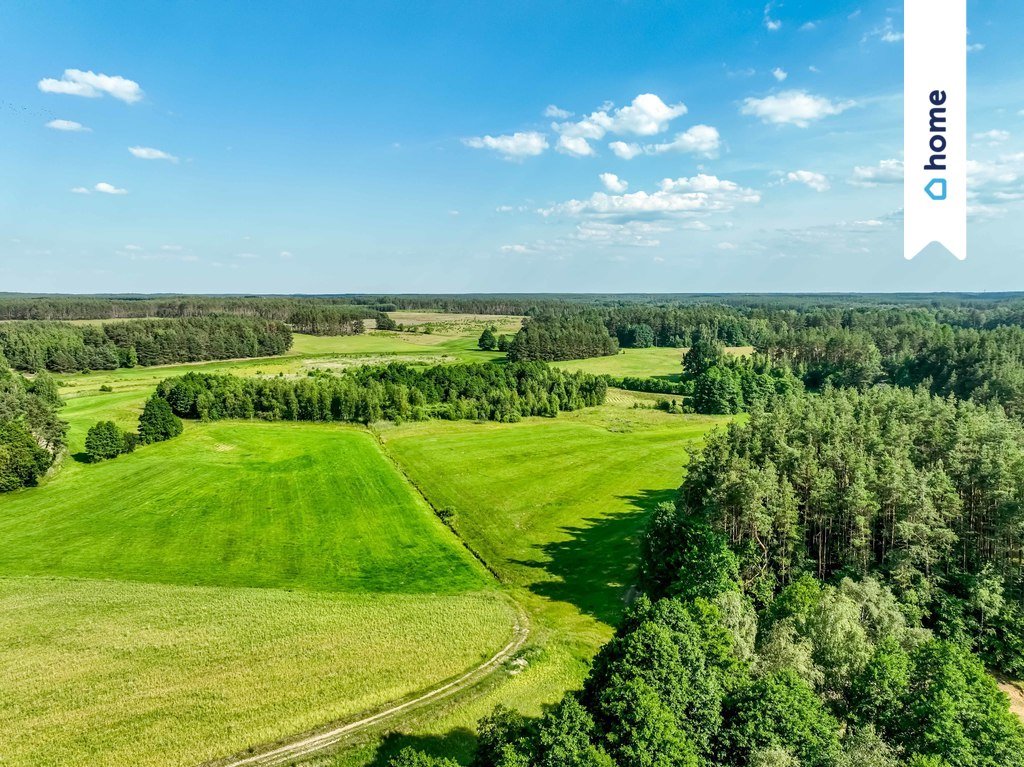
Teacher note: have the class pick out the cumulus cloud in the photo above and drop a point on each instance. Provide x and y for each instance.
(625, 151)
(577, 146)
(75, 82)
(993, 137)
(104, 188)
(886, 172)
(66, 125)
(79, 190)
(646, 115)
(793, 108)
(613, 183)
(699, 194)
(557, 113)
(700, 139)
(816, 181)
(513, 147)
(780, 74)
(772, 25)
(149, 153)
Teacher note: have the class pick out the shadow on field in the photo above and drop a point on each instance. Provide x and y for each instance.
(456, 744)
(595, 568)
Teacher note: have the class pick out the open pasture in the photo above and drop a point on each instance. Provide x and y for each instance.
(112, 673)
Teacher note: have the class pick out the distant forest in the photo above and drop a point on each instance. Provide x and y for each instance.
(63, 348)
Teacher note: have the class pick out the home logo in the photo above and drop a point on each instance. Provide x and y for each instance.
(935, 126)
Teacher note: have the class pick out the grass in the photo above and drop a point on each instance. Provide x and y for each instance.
(556, 507)
(245, 504)
(652, 362)
(235, 585)
(108, 674)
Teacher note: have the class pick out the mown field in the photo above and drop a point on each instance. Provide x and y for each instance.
(556, 507)
(653, 362)
(233, 586)
(138, 592)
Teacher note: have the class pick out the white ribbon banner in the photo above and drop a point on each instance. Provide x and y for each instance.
(935, 126)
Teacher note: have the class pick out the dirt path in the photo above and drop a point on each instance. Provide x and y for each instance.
(317, 741)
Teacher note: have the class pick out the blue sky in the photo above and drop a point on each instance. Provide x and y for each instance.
(451, 147)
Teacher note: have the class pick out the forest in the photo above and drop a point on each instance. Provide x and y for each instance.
(32, 437)
(63, 348)
(394, 392)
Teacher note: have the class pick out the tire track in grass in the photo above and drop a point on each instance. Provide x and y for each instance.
(324, 739)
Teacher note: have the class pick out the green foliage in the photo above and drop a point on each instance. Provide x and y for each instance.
(637, 336)
(410, 757)
(106, 440)
(61, 347)
(561, 337)
(157, 422)
(388, 392)
(31, 435)
(488, 342)
(22, 460)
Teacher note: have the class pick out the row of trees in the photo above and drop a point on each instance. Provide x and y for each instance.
(63, 347)
(157, 423)
(31, 434)
(388, 392)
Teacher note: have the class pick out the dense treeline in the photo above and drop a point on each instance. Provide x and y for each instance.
(388, 392)
(561, 337)
(812, 600)
(318, 320)
(925, 494)
(31, 434)
(280, 308)
(156, 424)
(62, 347)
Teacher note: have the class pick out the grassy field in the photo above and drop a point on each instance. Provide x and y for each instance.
(556, 507)
(653, 362)
(111, 673)
(132, 630)
(137, 592)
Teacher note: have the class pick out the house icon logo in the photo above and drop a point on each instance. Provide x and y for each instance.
(936, 189)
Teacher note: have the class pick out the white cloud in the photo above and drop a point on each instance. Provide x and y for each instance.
(577, 146)
(104, 188)
(554, 111)
(808, 26)
(613, 183)
(780, 74)
(886, 33)
(514, 147)
(66, 125)
(517, 248)
(699, 194)
(993, 137)
(975, 47)
(79, 190)
(886, 172)
(772, 25)
(638, 234)
(286, 254)
(172, 248)
(646, 115)
(793, 108)
(75, 82)
(869, 222)
(700, 139)
(726, 246)
(625, 151)
(816, 181)
(149, 153)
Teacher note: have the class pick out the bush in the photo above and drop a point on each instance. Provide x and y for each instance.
(106, 440)
(157, 422)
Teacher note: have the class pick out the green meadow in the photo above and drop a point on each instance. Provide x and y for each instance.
(247, 581)
(652, 362)
(556, 508)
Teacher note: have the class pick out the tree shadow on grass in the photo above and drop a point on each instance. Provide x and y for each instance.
(82, 457)
(456, 744)
(595, 568)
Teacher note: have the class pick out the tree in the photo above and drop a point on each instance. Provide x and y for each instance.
(104, 440)
(488, 341)
(158, 422)
(411, 757)
(705, 353)
(717, 391)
